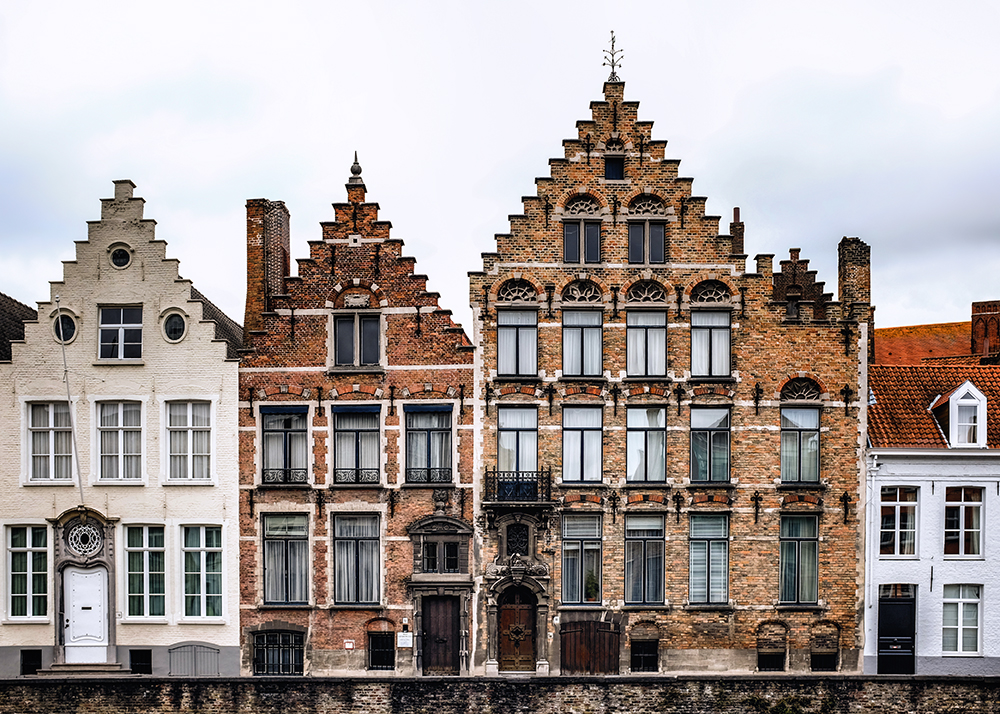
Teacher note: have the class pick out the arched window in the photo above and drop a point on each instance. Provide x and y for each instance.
(711, 354)
(647, 230)
(800, 432)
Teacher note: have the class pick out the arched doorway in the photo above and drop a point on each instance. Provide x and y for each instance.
(517, 610)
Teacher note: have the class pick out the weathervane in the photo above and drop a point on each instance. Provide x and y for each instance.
(612, 59)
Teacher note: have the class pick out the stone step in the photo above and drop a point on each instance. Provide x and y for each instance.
(86, 669)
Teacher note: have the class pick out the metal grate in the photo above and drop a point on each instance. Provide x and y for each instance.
(381, 650)
(280, 653)
(285, 476)
(356, 476)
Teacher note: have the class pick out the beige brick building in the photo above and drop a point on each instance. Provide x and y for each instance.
(356, 456)
(670, 456)
(118, 475)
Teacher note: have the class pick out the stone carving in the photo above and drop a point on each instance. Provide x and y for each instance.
(800, 388)
(647, 205)
(84, 539)
(583, 206)
(516, 291)
(710, 291)
(515, 567)
(647, 292)
(581, 291)
(356, 300)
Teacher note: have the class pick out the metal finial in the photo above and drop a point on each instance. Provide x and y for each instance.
(612, 59)
(356, 171)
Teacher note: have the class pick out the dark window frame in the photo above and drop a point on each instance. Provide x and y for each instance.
(430, 474)
(648, 370)
(516, 331)
(643, 244)
(646, 656)
(360, 473)
(286, 473)
(361, 348)
(645, 576)
(383, 657)
(581, 333)
(121, 339)
(582, 241)
(285, 575)
(800, 578)
(584, 431)
(711, 331)
(648, 456)
(278, 653)
(711, 432)
(583, 544)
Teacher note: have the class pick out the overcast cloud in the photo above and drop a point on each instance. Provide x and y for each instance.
(871, 119)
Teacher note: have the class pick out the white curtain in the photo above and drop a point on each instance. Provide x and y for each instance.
(582, 342)
(571, 571)
(356, 552)
(516, 341)
(517, 438)
(582, 444)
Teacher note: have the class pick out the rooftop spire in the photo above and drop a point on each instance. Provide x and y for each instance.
(356, 172)
(612, 60)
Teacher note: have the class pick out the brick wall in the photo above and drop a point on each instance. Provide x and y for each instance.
(757, 695)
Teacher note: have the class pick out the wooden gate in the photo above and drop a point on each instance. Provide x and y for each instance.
(516, 630)
(590, 647)
(440, 635)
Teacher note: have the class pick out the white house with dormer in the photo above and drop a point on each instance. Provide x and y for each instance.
(932, 601)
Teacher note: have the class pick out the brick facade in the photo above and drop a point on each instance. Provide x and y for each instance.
(563, 280)
(356, 354)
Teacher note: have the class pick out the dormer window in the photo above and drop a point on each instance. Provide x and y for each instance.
(961, 414)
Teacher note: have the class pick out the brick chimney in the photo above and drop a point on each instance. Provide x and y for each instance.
(854, 259)
(267, 257)
(736, 231)
(986, 327)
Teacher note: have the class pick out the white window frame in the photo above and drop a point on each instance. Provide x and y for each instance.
(97, 430)
(449, 449)
(522, 353)
(166, 429)
(958, 405)
(284, 575)
(791, 546)
(960, 602)
(30, 572)
(964, 507)
(358, 317)
(121, 328)
(714, 546)
(584, 541)
(335, 539)
(29, 442)
(202, 549)
(897, 505)
(145, 549)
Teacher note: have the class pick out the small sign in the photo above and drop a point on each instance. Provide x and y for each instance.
(348, 644)
(404, 639)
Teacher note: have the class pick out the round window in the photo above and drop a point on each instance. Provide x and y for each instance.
(65, 328)
(120, 257)
(174, 327)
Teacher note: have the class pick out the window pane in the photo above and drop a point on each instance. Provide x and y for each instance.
(708, 527)
(635, 243)
(571, 571)
(592, 242)
(571, 242)
(344, 337)
(657, 243)
(369, 340)
(576, 417)
(582, 526)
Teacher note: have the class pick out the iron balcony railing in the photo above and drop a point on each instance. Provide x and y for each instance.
(365, 476)
(289, 476)
(518, 486)
(428, 475)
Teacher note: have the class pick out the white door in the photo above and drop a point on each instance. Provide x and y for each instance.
(86, 614)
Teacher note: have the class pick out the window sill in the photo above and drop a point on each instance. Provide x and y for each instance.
(349, 606)
(513, 378)
(967, 655)
(583, 378)
(144, 621)
(972, 558)
(285, 606)
(649, 378)
(652, 606)
(25, 621)
(710, 607)
(711, 484)
(801, 485)
(352, 369)
(441, 579)
(119, 362)
(800, 607)
(204, 621)
(190, 482)
(119, 482)
(728, 379)
(280, 486)
(435, 484)
(582, 484)
(341, 485)
(50, 482)
(580, 607)
(648, 484)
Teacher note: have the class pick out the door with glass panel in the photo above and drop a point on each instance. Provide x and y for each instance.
(897, 628)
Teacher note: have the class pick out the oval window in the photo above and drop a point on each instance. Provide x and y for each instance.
(65, 328)
(174, 327)
(120, 257)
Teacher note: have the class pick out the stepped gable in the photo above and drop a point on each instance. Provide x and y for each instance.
(12, 317)
(902, 393)
(797, 284)
(355, 257)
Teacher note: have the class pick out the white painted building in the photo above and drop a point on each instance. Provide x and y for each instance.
(933, 533)
(118, 486)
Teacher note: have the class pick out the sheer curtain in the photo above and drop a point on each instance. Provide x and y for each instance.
(357, 556)
(517, 438)
(516, 341)
(581, 444)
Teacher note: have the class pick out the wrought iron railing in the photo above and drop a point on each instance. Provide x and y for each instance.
(429, 476)
(364, 476)
(518, 486)
(288, 476)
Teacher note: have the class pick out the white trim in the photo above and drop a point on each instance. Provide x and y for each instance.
(24, 403)
(95, 451)
(164, 476)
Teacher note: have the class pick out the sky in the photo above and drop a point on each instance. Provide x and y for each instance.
(877, 119)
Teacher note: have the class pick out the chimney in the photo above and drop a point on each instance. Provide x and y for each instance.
(267, 257)
(736, 231)
(854, 258)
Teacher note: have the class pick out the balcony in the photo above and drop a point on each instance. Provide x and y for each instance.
(429, 476)
(284, 477)
(515, 487)
(363, 477)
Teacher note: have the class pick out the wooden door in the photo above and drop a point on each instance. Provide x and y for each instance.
(516, 629)
(589, 647)
(440, 635)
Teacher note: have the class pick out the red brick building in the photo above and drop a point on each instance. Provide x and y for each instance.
(671, 446)
(356, 455)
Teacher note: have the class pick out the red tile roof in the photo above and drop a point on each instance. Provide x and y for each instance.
(899, 417)
(914, 343)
